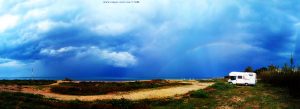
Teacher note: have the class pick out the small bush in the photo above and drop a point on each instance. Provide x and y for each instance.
(68, 79)
(199, 94)
(122, 103)
(222, 86)
(206, 80)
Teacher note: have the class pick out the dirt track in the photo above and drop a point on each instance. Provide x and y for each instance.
(131, 95)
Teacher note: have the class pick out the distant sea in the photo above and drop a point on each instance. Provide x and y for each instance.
(99, 78)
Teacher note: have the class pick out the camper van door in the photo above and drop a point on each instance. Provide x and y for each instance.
(240, 79)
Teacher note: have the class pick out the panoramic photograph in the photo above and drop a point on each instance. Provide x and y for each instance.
(149, 54)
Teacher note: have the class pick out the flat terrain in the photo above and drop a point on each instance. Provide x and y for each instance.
(212, 94)
(153, 93)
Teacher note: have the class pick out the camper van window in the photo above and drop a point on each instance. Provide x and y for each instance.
(232, 77)
(250, 74)
(240, 77)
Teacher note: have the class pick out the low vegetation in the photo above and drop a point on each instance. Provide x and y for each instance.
(26, 82)
(220, 95)
(223, 95)
(222, 86)
(199, 94)
(207, 80)
(10, 100)
(287, 80)
(286, 77)
(94, 88)
(68, 79)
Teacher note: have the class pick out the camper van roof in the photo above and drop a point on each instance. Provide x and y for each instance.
(233, 73)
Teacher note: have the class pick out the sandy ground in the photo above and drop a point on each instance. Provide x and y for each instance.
(175, 91)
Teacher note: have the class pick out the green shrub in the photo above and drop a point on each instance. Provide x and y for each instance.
(222, 86)
(199, 94)
(68, 79)
(94, 88)
(122, 103)
(206, 80)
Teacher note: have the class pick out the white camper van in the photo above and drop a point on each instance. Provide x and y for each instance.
(242, 78)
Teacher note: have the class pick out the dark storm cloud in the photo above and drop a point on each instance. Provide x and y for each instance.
(151, 39)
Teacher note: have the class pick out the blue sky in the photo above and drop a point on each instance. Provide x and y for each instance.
(152, 38)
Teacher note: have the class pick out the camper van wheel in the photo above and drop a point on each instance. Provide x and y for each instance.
(246, 84)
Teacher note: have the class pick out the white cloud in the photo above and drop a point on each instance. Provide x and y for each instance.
(45, 25)
(111, 29)
(120, 59)
(110, 57)
(8, 22)
(33, 31)
(56, 52)
(34, 2)
(36, 14)
(4, 62)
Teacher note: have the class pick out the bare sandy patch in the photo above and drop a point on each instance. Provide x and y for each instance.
(131, 95)
(237, 99)
(224, 107)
